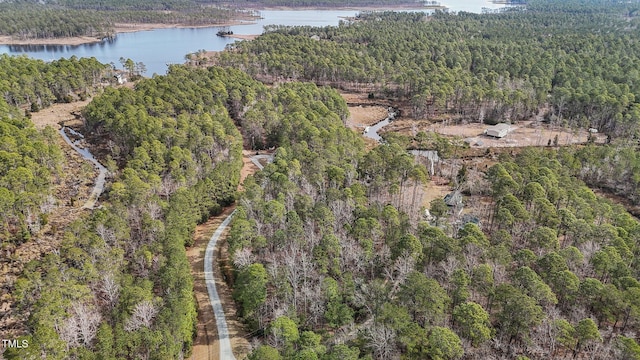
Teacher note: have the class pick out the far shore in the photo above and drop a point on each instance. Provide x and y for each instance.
(242, 37)
(126, 28)
(79, 40)
(407, 6)
(119, 28)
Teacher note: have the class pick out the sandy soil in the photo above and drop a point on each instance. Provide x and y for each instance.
(8, 40)
(362, 98)
(527, 133)
(408, 5)
(206, 345)
(364, 112)
(243, 37)
(362, 116)
(248, 167)
(57, 113)
(434, 189)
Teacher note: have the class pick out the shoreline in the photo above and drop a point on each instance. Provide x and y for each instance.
(363, 8)
(118, 29)
(135, 27)
(242, 37)
(64, 41)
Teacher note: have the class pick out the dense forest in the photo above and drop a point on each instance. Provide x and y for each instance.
(52, 19)
(29, 163)
(615, 168)
(120, 285)
(29, 159)
(573, 63)
(330, 265)
(333, 254)
(37, 84)
(333, 258)
(494, 67)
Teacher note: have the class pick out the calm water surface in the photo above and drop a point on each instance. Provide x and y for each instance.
(158, 48)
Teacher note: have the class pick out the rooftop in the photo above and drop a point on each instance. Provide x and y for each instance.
(500, 127)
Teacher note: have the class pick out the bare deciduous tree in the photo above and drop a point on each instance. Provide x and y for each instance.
(142, 316)
(404, 265)
(243, 258)
(154, 210)
(291, 258)
(68, 332)
(317, 306)
(381, 340)
(450, 265)
(81, 326)
(110, 289)
(106, 234)
(88, 321)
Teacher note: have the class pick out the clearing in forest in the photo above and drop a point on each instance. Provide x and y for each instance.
(522, 134)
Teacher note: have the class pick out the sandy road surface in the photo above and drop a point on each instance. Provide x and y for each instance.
(224, 343)
(206, 271)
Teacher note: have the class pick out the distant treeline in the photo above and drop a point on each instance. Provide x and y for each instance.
(324, 3)
(31, 19)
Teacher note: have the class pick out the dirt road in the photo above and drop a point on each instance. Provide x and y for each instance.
(224, 343)
(216, 309)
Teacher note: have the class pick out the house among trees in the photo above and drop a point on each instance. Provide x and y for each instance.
(498, 130)
(454, 202)
(120, 79)
(469, 218)
(453, 199)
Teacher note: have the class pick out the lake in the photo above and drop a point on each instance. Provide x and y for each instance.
(158, 48)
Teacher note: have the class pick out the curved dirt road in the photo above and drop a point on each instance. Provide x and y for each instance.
(226, 352)
(216, 314)
(256, 160)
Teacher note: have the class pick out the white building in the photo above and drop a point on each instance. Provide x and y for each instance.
(120, 79)
(498, 130)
